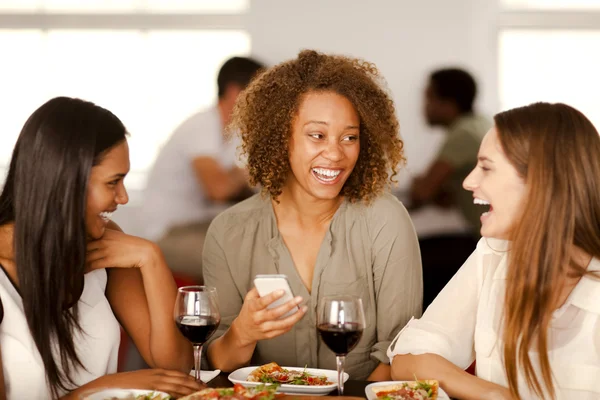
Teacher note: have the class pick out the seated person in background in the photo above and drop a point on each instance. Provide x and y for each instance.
(526, 304)
(321, 136)
(449, 101)
(195, 176)
(69, 276)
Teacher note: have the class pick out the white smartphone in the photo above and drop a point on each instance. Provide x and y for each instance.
(266, 284)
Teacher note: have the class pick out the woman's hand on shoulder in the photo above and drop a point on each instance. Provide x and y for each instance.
(118, 250)
(175, 383)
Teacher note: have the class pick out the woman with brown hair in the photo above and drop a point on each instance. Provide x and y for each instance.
(321, 138)
(69, 277)
(526, 305)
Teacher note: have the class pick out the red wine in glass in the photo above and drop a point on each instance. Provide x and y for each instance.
(197, 317)
(340, 338)
(340, 324)
(197, 329)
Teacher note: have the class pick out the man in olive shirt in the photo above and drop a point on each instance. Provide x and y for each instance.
(449, 98)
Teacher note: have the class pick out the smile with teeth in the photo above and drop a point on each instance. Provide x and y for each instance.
(326, 175)
(105, 215)
(483, 203)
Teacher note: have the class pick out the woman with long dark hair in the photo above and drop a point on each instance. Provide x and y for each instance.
(69, 276)
(526, 305)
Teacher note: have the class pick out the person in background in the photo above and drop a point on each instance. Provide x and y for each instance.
(322, 141)
(195, 176)
(69, 278)
(526, 304)
(449, 98)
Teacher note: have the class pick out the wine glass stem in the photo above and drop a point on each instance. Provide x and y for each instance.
(197, 361)
(340, 360)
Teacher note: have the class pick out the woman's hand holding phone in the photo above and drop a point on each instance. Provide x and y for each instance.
(266, 284)
(256, 321)
(259, 318)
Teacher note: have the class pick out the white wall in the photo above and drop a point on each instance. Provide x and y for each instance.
(404, 38)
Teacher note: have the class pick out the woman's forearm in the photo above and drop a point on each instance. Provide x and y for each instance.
(380, 373)
(228, 352)
(456, 382)
(97, 384)
(176, 383)
(168, 347)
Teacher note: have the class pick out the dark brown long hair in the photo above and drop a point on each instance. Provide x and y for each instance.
(45, 197)
(556, 149)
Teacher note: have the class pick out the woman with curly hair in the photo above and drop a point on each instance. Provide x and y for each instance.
(321, 139)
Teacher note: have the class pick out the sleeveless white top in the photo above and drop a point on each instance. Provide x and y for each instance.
(98, 346)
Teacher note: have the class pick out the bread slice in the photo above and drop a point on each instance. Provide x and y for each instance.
(255, 375)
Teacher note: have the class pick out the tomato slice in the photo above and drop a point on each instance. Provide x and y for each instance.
(238, 388)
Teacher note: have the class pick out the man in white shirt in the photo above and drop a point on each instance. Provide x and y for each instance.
(195, 176)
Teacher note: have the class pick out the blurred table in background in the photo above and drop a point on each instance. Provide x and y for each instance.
(431, 220)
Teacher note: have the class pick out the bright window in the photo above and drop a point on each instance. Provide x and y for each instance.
(152, 79)
(547, 51)
(103, 6)
(555, 66)
(551, 4)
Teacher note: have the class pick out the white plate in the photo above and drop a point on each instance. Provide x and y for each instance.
(107, 394)
(241, 375)
(371, 396)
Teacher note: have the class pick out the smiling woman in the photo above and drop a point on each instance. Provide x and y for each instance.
(68, 274)
(526, 304)
(496, 184)
(106, 189)
(324, 146)
(322, 142)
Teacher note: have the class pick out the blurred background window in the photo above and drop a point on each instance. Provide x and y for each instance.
(547, 50)
(154, 62)
(151, 62)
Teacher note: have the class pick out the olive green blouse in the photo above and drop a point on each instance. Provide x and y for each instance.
(370, 251)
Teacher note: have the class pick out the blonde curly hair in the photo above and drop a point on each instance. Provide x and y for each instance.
(264, 113)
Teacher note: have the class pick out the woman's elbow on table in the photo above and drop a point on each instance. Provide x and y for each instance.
(403, 366)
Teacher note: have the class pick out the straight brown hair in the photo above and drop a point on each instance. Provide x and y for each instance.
(556, 149)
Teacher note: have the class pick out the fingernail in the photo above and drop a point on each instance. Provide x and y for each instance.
(298, 299)
(279, 292)
(304, 309)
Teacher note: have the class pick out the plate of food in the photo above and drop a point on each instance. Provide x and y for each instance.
(126, 394)
(406, 390)
(290, 379)
(260, 392)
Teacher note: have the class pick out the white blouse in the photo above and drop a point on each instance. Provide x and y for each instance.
(463, 324)
(98, 346)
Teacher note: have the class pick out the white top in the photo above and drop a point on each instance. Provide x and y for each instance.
(173, 195)
(24, 374)
(463, 324)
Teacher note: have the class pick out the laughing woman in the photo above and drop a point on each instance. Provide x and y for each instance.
(321, 138)
(526, 305)
(69, 276)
